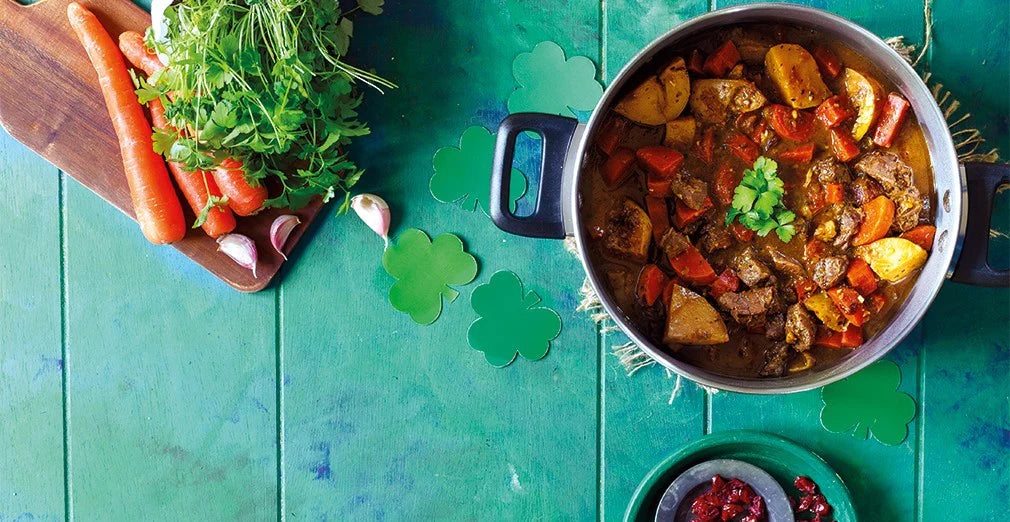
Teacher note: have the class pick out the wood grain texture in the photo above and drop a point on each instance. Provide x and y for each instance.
(51, 102)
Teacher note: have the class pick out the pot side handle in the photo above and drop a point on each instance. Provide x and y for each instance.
(547, 219)
(972, 266)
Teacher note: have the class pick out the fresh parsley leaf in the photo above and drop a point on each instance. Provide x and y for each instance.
(757, 202)
(371, 6)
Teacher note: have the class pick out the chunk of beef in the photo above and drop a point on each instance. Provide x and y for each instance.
(865, 190)
(746, 304)
(674, 243)
(691, 190)
(908, 207)
(887, 168)
(787, 292)
(784, 263)
(748, 268)
(716, 236)
(829, 170)
(775, 329)
(830, 270)
(849, 219)
(800, 328)
(775, 361)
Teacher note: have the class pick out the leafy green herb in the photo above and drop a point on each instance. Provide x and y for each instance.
(263, 81)
(757, 202)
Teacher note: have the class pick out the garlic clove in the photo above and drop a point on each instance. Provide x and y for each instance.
(280, 230)
(240, 248)
(374, 211)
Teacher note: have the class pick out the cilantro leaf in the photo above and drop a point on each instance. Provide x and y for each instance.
(757, 202)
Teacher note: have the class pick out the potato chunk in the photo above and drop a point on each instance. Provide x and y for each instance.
(866, 95)
(692, 320)
(713, 100)
(677, 88)
(680, 133)
(793, 70)
(893, 258)
(628, 231)
(646, 104)
(824, 308)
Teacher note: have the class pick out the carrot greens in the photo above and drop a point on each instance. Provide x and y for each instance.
(263, 82)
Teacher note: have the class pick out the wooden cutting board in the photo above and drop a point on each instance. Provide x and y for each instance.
(51, 102)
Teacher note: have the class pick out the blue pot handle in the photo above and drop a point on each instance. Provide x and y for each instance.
(547, 219)
(973, 263)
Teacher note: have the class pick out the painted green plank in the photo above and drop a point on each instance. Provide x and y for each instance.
(881, 476)
(31, 362)
(642, 427)
(966, 367)
(388, 419)
(171, 379)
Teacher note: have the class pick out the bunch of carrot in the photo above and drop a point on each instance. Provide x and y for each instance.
(155, 202)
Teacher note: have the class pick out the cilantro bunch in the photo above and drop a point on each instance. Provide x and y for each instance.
(757, 202)
(262, 81)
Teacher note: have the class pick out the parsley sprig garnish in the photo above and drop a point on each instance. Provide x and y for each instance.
(264, 82)
(757, 202)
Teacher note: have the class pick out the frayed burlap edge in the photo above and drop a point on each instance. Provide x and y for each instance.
(968, 143)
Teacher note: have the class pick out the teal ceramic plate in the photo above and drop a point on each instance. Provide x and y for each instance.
(781, 458)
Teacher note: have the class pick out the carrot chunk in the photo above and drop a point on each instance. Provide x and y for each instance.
(834, 193)
(895, 109)
(651, 283)
(921, 235)
(742, 147)
(844, 147)
(727, 282)
(877, 218)
(833, 111)
(722, 60)
(692, 267)
(827, 61)
(798, 154)
(861, 277)
(617, 168)
(659, 215)
(686, 215)
(725, 184)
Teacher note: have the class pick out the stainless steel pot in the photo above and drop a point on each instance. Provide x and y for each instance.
(962, 237)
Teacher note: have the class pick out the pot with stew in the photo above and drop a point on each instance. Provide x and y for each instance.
(766, 199)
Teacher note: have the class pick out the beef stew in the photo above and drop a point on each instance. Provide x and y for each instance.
(761, 204)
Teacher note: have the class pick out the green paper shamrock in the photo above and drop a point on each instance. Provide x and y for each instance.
(424, 269)
(510, 321)
(550, 84)
(869, 402)
(464, 173)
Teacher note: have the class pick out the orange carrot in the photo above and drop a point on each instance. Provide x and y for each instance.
(136, 51)
(877, 217)
(154, 201)
(196, 184)
(921, 235)
(243, 198)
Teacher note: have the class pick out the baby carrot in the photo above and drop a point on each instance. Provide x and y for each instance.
(195, 184)
(154, 201)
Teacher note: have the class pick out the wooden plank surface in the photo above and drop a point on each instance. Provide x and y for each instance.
(314, 400)
(31, 358)
(64, 119)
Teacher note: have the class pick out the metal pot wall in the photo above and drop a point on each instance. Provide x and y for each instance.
(963, 192)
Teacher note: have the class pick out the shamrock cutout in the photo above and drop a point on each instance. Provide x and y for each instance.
(869, 402)
(424, 269)
(510, 321)
(464, 173)
(551, 84)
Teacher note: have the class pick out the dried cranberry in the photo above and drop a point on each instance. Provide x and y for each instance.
(706, 507)
(757, 507)
(822, 508)
(817, 518)
(805, 485)
(805, 503)
(731, 510)
(718, 484)
(749, 518)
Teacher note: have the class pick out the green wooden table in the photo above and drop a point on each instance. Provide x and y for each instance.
(133, 385)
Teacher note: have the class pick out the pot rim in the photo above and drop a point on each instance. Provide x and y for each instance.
(949, 205)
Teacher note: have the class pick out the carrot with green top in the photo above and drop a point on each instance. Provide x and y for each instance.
(155, 203)
(197, 186)
(243, 198)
